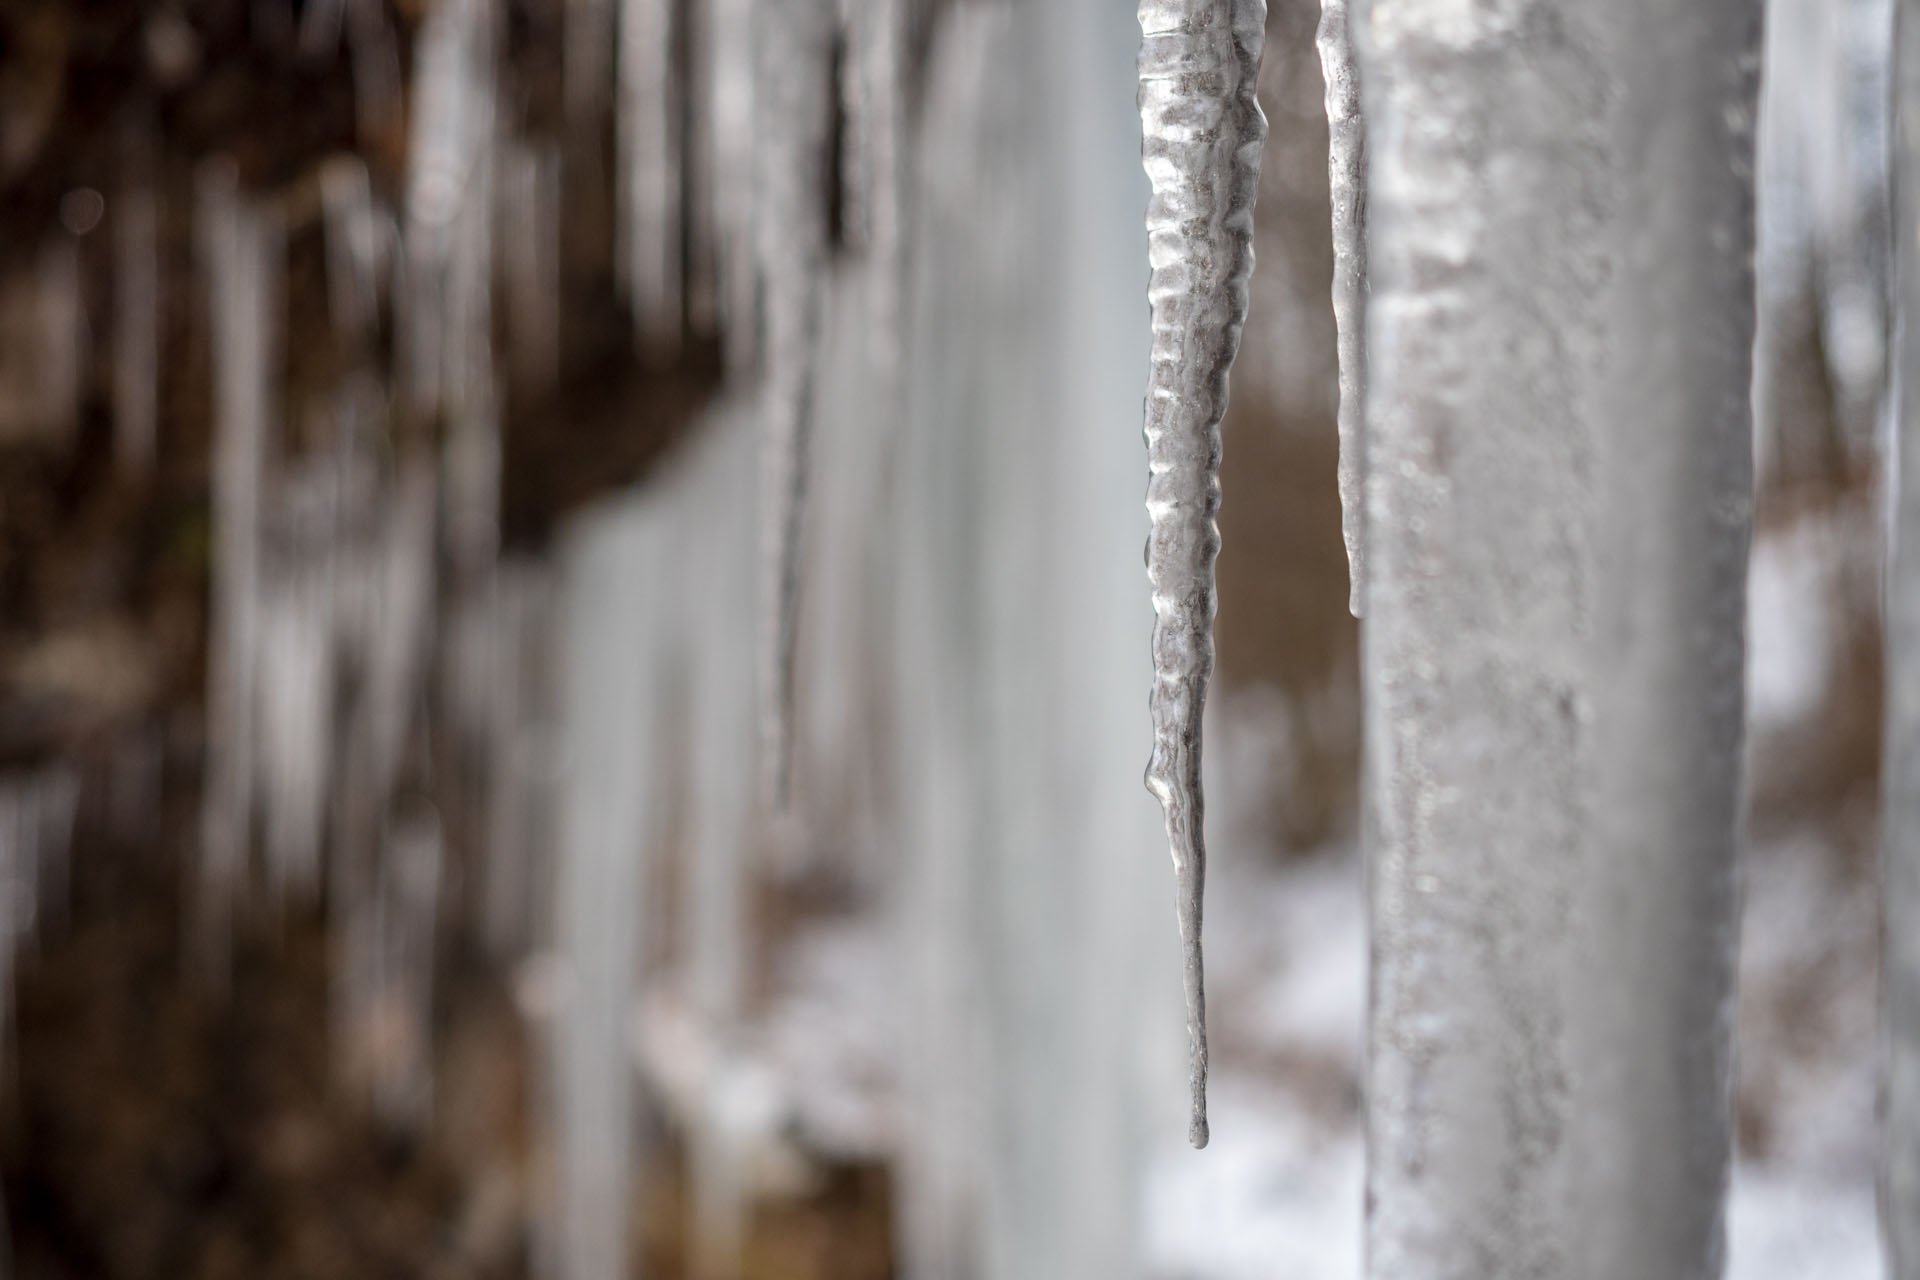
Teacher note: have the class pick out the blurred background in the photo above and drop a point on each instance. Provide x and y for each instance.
(401, 403)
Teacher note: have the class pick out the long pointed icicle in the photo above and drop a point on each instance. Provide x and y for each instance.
(794, 108)
(1347, 171)
(1202, 136)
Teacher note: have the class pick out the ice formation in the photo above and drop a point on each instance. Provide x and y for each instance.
(136, 309)
(1557, 546)
(943, 371)
(650, 167)
(239, 246)
(1347, 185)
(1900, 770)
(1202, 135)
(792, 108)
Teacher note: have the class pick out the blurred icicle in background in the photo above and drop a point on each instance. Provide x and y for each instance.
(436, 437)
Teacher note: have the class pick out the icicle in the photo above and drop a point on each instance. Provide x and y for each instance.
(136, 311)
(717, 510)
(295, 678)
(239, 248)
(650, 171)
(19, 891)
(612, 800)
(734, 160)
(856, 97)
(472, 477)
(63, 333)
(134, 782)
(1347, 173)
(1900, 768)
(56, 803)
(587, 66)
(1199, 66)
(1559, 504)
(873, 97)
(320, 22)
(795, 44)
(353, 249)
(377, 97)
(518, 753)
(402, 1061)
(703, 200)
(449, 204)
(530, 249)
(401, 621)
(837, 760)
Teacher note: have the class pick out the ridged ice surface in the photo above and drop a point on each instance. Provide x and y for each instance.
(1347, 186)
(1202, 136)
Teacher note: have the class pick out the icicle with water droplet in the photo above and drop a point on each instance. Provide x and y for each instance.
(1347, 173)
(794, 112)
(650, 172)
(1203, 132)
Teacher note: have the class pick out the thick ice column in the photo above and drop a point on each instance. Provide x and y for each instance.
(620, 596)
(1900, 782)
(1558, 514)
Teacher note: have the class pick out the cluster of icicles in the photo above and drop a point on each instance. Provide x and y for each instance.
(366, 629)
(655, 681)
